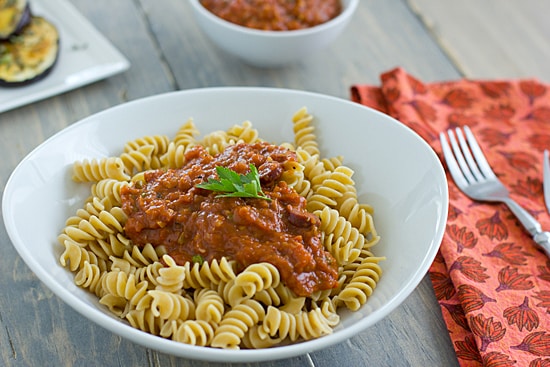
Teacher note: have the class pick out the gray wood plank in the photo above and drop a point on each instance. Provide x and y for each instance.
(491, 38)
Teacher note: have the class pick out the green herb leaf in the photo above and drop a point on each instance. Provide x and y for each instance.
(232, 184)
(197, 259)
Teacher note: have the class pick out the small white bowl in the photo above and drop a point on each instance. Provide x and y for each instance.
(269, 49)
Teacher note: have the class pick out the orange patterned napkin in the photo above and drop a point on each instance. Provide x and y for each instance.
(491, 282)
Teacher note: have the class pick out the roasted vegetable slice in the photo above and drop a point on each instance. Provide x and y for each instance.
(14, 15)
(30, 55)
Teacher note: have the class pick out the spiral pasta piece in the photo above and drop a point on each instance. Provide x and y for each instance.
(336, 183)
(208, 274)
(174, 156)
(257, 338)
(192, 332)
(362, 284)
(99, 169)
(341, 230)
(305, 324)
(168, 306)
(126, 286)
(184, 139)
(138, 160)
(255, 278)
(149, 273)
(90, 277)
(186, 134)
(145, 320)
(216, 142)
(276, 296)
(158, 142)
(236, 322)
(109, 188)
(75, 256)
(141, 257)
(112, 246)
(171, 277)
(209, 306)
(293, 174)
(332, 163)
(304, 132)
(243, 133)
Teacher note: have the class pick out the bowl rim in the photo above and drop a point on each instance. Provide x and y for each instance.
(345, 15)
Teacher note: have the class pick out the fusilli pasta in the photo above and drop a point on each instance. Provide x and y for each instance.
(218, 303)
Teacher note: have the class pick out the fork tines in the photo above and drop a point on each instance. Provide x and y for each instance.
(465, 161)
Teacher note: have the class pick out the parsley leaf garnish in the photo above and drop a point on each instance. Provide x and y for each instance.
(233, 184)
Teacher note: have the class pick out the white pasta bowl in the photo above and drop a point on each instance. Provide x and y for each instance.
(268, 49)
(395, 171)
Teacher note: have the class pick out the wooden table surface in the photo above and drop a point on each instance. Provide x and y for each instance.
(432, 39)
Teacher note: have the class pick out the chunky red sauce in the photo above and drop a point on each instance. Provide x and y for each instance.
(169, 210)
(276, 15)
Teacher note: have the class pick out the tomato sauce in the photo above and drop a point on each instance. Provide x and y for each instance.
(169, 210)
(275, 15)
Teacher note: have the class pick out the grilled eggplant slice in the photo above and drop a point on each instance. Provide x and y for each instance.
(30, 55)
(14, 15)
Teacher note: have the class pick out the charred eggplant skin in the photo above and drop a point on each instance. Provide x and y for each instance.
(30, 55)
(14, 16)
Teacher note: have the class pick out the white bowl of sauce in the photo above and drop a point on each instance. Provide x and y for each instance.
(273, 35)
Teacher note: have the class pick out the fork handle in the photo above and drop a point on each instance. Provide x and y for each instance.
(531, 225)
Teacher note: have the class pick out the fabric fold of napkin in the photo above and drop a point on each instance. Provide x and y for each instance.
(492, 283)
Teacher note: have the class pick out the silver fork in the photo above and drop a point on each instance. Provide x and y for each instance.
(473, 175)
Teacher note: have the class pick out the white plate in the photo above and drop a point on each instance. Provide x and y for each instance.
(85, 56)
(395, 171)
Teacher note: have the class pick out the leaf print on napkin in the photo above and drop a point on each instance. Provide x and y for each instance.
(523, 316)
(457, 314)
(539, 141)
(467, 349)
(493, 137)
(544, 297)
(487, 330)
(417, 87)
(537, 343)
(510, 279)
(424, 110)
(462, 237)
(539, 114)
(470, 268)
(520, 161)
(529, 187)
(454, 212)
(457, 98)
(494, 89)
(510, 252)
(472, 298)
(532, 89)
(497, 359)
(392, 95)
(456, 119)
(539, 362)
(493, 227)
(544, 272)
(426, 133)
(443, 286)
(500, 112)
